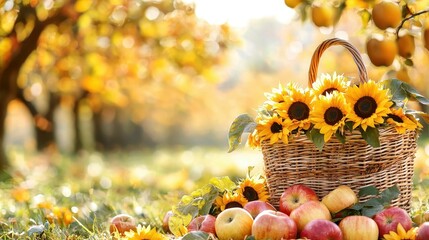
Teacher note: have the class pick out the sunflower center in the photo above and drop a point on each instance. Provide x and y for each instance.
(276, 128)
(365, 107)
(395, 118)
(329, 90)
(333, 115)
(298, 111)
(250, 194)
(233, 204)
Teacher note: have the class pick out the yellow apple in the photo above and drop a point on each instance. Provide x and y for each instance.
(233, 223)
(292, 3)
(340, 198)
(386, 14)
(359, 228)
(309, 211)
(381, 52)
(322, 16)
(406, 45)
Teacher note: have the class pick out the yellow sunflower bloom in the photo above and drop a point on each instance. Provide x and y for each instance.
(400, 120)
(330, 114)
(369, 103)
(230, 200)
(277, 95)
(253, 189)
(273, 129)
(143, 233)
(328, 84)
(401, 234)
(296, 108)
(253, 140)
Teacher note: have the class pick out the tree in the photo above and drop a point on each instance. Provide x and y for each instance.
(129, 58)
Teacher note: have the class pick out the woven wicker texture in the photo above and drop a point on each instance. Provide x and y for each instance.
(355, 163)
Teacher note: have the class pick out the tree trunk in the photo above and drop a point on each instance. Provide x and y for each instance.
(9, 71)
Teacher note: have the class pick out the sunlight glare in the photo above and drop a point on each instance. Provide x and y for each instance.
(239, 13)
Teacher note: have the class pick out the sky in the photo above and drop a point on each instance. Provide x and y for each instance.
(237, 13)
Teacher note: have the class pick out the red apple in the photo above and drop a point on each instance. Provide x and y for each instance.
(296, 195)
(233, 223)
(359, 228)
(387, 220)
(340, 198)
(165, 220)
(122, 223)
(423, 231)
(205, 223)
(257, 206)
(309, 211)
(321, 229)
(271, 224)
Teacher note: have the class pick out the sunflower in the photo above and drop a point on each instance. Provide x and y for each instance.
(369, 103)
(143, 233)
(328, 84)
(329, 114)
(230, 200)
(401, 234)
(400, 120)
(273, 128)
(277, 95)
(253, 189)
(296, 108)
(253, 140)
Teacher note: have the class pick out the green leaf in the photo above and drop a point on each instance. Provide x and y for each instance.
(349, 126)
(357, 206)
(394, 85)
(196, 235)
(389, 194)
(371, 211)
(368, 191)
(223, 183)
(243, 123)
(340, 137)
(250, 238)
(371, 136)
(317, 138)
(413, 94)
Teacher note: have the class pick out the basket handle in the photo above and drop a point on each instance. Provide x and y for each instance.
(312, 73)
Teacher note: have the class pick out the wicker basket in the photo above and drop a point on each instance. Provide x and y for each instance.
(354, 163)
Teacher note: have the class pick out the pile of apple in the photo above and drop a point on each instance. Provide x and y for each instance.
(302, 215)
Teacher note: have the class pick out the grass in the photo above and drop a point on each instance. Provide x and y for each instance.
(74, 197)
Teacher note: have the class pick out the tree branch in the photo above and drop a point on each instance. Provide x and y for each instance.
(413, 15)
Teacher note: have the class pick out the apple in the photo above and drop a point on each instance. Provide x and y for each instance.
(271, 224)
(358, 228)
(309, 211)
(340, 198)
(294, 196)
(122, 223)
(257, 206)
(233, 223)
(321, 229)
(387, 220)
(205, 223)
(423, 231)
(165, 220)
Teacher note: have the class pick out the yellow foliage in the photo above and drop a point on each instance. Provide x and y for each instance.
(92, 84)
(82, 5)
(7, 20)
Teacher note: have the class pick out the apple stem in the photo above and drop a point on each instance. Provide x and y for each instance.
(413, 15)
